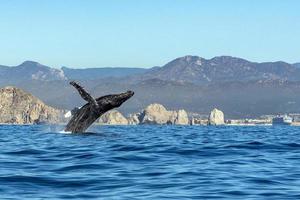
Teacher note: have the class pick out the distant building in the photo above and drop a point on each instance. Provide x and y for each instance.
(295, 116)
(282, 120)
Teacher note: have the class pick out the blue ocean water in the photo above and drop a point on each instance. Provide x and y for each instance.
(150, 162)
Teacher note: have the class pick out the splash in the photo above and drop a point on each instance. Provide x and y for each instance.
(65, 132)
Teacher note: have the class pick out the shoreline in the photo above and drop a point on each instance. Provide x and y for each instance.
(97, 124)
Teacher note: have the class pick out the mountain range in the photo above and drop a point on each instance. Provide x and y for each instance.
(30, 70)
(297, 65)
(98, 73)
(220, 69)
(239, 87)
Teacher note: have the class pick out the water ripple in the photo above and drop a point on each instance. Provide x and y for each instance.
(150, 162)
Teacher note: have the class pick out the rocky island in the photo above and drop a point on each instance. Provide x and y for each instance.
(153, 114)
(20, 107)
(216, 117)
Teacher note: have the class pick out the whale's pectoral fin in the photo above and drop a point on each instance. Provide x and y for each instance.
(84, 94)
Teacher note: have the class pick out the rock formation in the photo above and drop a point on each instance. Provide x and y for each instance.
(19, 107)
(155, 114)
(133, 119)
(158, 114)
(180, 117)
(113, 117)
(216, 117)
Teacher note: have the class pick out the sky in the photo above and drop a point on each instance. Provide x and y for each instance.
(146, 33)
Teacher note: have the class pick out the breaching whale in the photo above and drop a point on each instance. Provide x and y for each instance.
(84, 117)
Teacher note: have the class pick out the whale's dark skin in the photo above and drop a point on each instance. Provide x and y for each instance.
(91, 111)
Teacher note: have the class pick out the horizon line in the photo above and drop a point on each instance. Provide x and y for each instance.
(134, 67)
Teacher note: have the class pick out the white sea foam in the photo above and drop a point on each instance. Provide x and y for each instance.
(65, 132)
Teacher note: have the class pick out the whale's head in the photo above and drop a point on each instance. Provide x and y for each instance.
(118, 99)
(114, 100)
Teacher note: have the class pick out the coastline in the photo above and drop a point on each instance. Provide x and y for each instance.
(100, 124)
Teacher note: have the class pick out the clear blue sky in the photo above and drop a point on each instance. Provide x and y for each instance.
(146, 33)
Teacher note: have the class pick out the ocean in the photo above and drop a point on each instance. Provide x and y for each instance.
(150, 162)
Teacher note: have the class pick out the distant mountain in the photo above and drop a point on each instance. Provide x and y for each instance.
(30, 70)
(98, 73)
(236, 99)
(198, 70)
(297, 65)
(238, 87)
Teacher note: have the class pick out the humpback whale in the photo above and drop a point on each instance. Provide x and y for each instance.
(94, 108)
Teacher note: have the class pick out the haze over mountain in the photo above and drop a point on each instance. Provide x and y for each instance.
(97, 73)
(238, 87)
